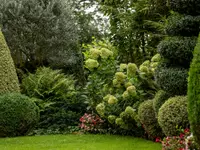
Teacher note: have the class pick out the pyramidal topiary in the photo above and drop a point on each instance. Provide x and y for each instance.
(8, 76)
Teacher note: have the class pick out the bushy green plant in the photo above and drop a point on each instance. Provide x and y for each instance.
(57, 97)
(193, 93)
(173, 80)
(148, 119)
(173, 114)
(8, 77)
(131, 86)
(159, 99)
(190, 7)
(178, 50)
(100, 66)
(18, 115)
(180, 25)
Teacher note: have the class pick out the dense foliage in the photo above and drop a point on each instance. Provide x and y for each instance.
(178, 50)
(18, 115)
(40, 32)
(173, 114)
(130, 86)
(148, 119)
(8, 77)
(60, 104)
(193, 93)
(159, 99)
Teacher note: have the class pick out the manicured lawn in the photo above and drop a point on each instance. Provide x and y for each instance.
(77, 142)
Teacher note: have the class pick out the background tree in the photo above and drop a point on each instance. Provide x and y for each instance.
(41, 33)
(133, 27)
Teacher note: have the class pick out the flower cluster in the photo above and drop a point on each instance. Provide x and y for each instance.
(181, 142)
(91, 123)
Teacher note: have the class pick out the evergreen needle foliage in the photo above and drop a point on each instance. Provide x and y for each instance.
(193, 93)
(8, 77)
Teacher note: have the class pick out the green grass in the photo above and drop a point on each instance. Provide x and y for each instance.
(77, 142)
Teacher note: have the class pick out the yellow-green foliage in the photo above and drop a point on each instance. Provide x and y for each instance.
(125, 95)
(122, 67)
(111, 119)
(100, 109)
(156, 58)
(131, 69)
(119, 121)
(194, 93)
(112, 99)
(91, 64)
(95, 53)
(120, 76)
(144, 69)
(128, 84)
(8, 77)
(131, 90)
(105, 53)
(146, 63)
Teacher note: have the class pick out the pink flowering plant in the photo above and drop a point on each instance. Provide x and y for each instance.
(182, 142)
(91, 123)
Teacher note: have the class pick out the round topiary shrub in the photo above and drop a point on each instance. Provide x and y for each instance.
(159, 99)
(148, 120)
(191, 7)
(173, 114)
(179, 25)
(18, 115)
(178, 50)
(172, 80)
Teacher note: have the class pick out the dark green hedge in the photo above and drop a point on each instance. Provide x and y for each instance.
(179, 25)
(194, 93)
(172, 80)
(18, 115)
(173, 113)
(159, 99)
(190, 7)
(148, 119)
(178, 50)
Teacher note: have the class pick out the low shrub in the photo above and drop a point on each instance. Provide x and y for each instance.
(159, 99)
(173, 80)
(148, 120)
(190, 7)
(178, 50)
(18, 115)
(61, 105)
(173, 113)
(179, 25)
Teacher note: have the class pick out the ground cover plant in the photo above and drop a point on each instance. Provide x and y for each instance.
(81, 142)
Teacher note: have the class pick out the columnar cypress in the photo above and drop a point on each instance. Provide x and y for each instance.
(194, 93)
(8, 77)
(176, 50)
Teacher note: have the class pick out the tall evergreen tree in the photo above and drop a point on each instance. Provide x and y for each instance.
(8, 77)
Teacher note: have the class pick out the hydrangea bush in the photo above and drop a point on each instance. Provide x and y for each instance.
(131, 85)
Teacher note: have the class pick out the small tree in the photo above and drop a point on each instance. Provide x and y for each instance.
(194, 93)
(8, 77)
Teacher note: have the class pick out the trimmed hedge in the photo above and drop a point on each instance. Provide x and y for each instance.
(190, 7)
(178, 50)
(8, 76)
(173, 113)
(148, 120)
(172, 80)
(159, 99)
(18, 115)
(193, 93)
(179, 25)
